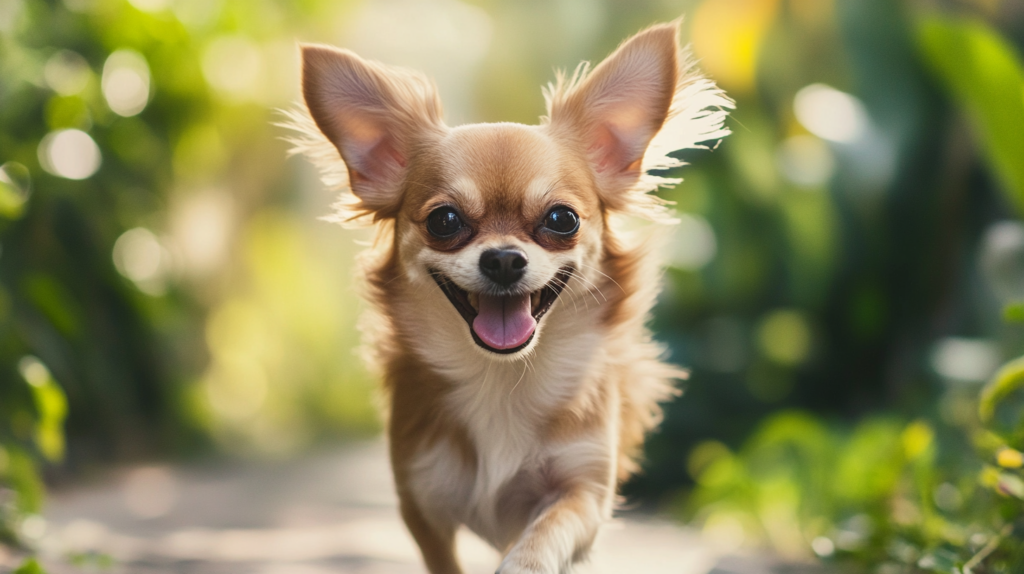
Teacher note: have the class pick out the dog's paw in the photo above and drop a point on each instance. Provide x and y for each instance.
(516, 563)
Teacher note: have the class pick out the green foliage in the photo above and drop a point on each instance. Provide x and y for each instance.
(1008, 379)
(882, 494)
(939, 494)
(31, 566)
(21, 474)
(1014, 313)
(986, 76)
(42, 433)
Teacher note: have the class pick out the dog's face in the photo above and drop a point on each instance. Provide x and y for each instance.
(502, 219)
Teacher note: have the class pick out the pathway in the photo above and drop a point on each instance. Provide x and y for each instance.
(331, 513)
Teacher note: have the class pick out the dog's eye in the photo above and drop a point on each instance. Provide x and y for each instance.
(444, 222)
(562, 220)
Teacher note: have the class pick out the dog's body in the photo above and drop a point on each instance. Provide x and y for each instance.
(508, 309)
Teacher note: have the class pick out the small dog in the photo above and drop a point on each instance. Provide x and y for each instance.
(509, 306)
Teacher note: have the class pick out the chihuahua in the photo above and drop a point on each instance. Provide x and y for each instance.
(508, 303)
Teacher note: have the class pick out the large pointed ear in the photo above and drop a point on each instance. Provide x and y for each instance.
(615, 110)
(374, 115)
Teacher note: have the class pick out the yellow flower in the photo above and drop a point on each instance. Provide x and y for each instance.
(1010, 458)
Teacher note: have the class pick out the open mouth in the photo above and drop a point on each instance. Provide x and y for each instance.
(503, 323)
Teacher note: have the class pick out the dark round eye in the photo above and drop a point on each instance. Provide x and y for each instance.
(562, 220)
(444, 222)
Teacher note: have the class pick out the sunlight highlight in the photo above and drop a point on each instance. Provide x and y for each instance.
(694, 244)
(805, 161)
(67, 73)
(139, 256)
(70, 154)
(233, 65)
(831, 114)
(150, 5)
(126, 82)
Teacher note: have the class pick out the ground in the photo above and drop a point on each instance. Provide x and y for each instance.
(329, 513)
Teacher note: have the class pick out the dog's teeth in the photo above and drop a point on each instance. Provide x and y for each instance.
(535, 299)
(474, 300)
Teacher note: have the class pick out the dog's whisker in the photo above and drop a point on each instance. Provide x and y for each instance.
(576, 295)
(606, 276)
(526, 364)
(571, 291)
(593, 287)
(586, 291)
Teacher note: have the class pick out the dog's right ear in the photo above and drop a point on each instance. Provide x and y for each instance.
(373, 114)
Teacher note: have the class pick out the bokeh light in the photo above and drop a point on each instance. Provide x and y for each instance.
(9, 12)
(201, 227)
(785, 337)
(34, 371)
(823, 546)
(140, 256)
(805, 161)
(693, 244)
(67, 72)
(33, 527)
(830, 114)
(197, 14)
(15, 188)
(70, 154)
(125, 82)
(233, 65)
(1002, 260)
(446, 39)
(150, 5)
(959, 359)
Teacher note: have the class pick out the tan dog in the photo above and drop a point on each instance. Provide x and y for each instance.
(509, 309)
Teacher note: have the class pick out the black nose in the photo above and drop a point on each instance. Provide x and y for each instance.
(503, 266)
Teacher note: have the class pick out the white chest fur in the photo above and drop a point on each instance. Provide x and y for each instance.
(505, 408)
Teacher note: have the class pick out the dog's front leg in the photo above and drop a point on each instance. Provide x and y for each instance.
(437, 543)
(561, 534)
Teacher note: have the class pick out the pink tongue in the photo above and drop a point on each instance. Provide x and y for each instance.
(504, 322)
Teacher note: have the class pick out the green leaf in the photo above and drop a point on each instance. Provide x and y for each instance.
(985, 76)
(30, 567)
(22, 476)
(52, 406)
(1009, 378)
(55, 301)
(1014, 312)
(15, 187)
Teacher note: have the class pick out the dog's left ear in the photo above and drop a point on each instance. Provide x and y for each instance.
(616, 109)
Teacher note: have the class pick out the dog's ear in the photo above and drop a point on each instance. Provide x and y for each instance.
(616, 109)
(374, 115)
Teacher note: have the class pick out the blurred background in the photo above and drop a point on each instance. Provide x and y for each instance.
(846, 282)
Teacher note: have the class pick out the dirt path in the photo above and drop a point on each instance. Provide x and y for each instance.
(326, 514)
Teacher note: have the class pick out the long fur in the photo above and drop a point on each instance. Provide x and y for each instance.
(524, 449)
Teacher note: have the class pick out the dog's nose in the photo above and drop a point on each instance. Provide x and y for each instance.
(503, 266)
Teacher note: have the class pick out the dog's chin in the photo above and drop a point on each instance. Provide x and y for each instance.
(468, 305)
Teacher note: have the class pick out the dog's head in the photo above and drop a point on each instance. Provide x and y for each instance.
(506, 218)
